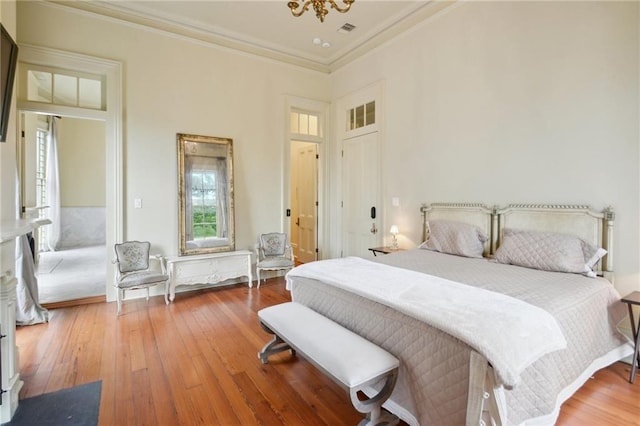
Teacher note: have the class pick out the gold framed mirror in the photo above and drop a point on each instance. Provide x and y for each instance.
(205, 190)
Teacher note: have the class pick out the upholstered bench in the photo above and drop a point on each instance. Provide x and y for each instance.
(349, 359)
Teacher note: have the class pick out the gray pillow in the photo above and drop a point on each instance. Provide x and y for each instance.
(547, 251)
(457, 238)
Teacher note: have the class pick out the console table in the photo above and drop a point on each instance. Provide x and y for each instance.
(207, 269)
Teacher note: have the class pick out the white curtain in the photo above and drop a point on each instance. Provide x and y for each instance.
(188, 198)
(53, 187)
(222, 196)
(28, 308)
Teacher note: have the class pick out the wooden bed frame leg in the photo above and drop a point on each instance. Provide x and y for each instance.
(483, 407)
(495, 413)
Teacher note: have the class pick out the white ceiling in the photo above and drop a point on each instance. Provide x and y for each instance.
(268, 28)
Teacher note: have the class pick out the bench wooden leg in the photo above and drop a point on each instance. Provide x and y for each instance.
(276, 345)
(373, 406)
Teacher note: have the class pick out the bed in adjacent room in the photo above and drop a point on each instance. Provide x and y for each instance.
(500, 315)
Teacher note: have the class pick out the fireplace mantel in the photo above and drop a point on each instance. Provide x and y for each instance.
(11, 229)
(11, 383)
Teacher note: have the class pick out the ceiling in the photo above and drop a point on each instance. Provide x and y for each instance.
(268, 28)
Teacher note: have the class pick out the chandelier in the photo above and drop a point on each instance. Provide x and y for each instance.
(318, 6)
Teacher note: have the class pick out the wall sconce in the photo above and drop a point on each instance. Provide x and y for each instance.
(394, 238)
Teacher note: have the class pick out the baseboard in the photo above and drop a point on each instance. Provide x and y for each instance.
(75, 302)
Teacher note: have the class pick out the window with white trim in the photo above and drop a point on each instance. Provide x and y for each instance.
(305, 123)
(65, 88)
(361, 116)
(41, 184)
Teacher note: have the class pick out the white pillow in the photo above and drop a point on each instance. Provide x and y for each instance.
(548, 251)
(457, 238)
(592, 254)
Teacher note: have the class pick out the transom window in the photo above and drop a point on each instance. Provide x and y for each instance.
(303, 123)
(65, 88)
(361, 116)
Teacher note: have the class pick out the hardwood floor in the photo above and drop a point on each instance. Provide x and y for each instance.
(194, 362)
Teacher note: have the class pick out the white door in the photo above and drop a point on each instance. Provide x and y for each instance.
(305, 189)
(360, 195)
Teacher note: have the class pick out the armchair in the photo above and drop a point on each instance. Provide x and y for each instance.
(133, 269)
(273, 253)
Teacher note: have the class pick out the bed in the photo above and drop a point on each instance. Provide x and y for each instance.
(489, 322)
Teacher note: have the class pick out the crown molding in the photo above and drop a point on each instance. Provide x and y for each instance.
(378, 36)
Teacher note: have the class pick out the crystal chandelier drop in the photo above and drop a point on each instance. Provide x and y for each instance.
(319, 6)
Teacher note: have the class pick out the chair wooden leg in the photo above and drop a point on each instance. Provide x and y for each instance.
(119, 297)
(166, 293)
(258, 273)
(147, 294)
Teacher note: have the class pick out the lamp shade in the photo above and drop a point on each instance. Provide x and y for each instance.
(393, 230)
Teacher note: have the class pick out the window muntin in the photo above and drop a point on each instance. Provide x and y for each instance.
(204, 201)
(361, 116)
(65, 88)
(303, 123)
(41, 185)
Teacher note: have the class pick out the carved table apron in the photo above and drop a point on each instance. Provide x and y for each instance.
(208, 269)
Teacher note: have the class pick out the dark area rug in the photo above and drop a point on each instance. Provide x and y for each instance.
(78, 405)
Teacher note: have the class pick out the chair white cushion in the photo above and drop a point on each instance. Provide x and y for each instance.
(275, 262)
(142, 278)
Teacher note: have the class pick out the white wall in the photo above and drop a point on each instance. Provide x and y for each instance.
(505, 102)
(81, 151)
(493, 102)
(174, 85)
(8, 154)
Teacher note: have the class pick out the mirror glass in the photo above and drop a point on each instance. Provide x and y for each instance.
(205, 174)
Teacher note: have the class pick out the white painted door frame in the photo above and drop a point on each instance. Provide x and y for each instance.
(112, 116)
(320, 108)
(372, 92)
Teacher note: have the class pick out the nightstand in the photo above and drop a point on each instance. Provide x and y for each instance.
(634, 299)
(384, 250)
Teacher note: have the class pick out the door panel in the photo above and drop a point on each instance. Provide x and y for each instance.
(304, 184)
(361, 195)
(307, 197)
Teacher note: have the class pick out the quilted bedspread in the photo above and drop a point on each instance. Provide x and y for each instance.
(433, 384)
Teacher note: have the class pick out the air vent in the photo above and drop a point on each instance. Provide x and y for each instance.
(346, 28)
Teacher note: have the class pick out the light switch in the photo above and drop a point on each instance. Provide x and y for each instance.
(137, 203)
(395, 202)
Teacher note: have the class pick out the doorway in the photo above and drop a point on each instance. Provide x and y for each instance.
(46, 62)
(304, 200)
(360, 132)
(303, 177)
(63, 178)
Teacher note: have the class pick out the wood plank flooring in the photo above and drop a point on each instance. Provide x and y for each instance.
(194, 362)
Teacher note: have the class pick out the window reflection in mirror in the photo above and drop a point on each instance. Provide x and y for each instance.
(205, 167)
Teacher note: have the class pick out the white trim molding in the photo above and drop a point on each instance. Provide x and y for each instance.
(112, 72)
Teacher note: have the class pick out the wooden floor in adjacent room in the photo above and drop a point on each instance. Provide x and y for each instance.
(194, 362)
